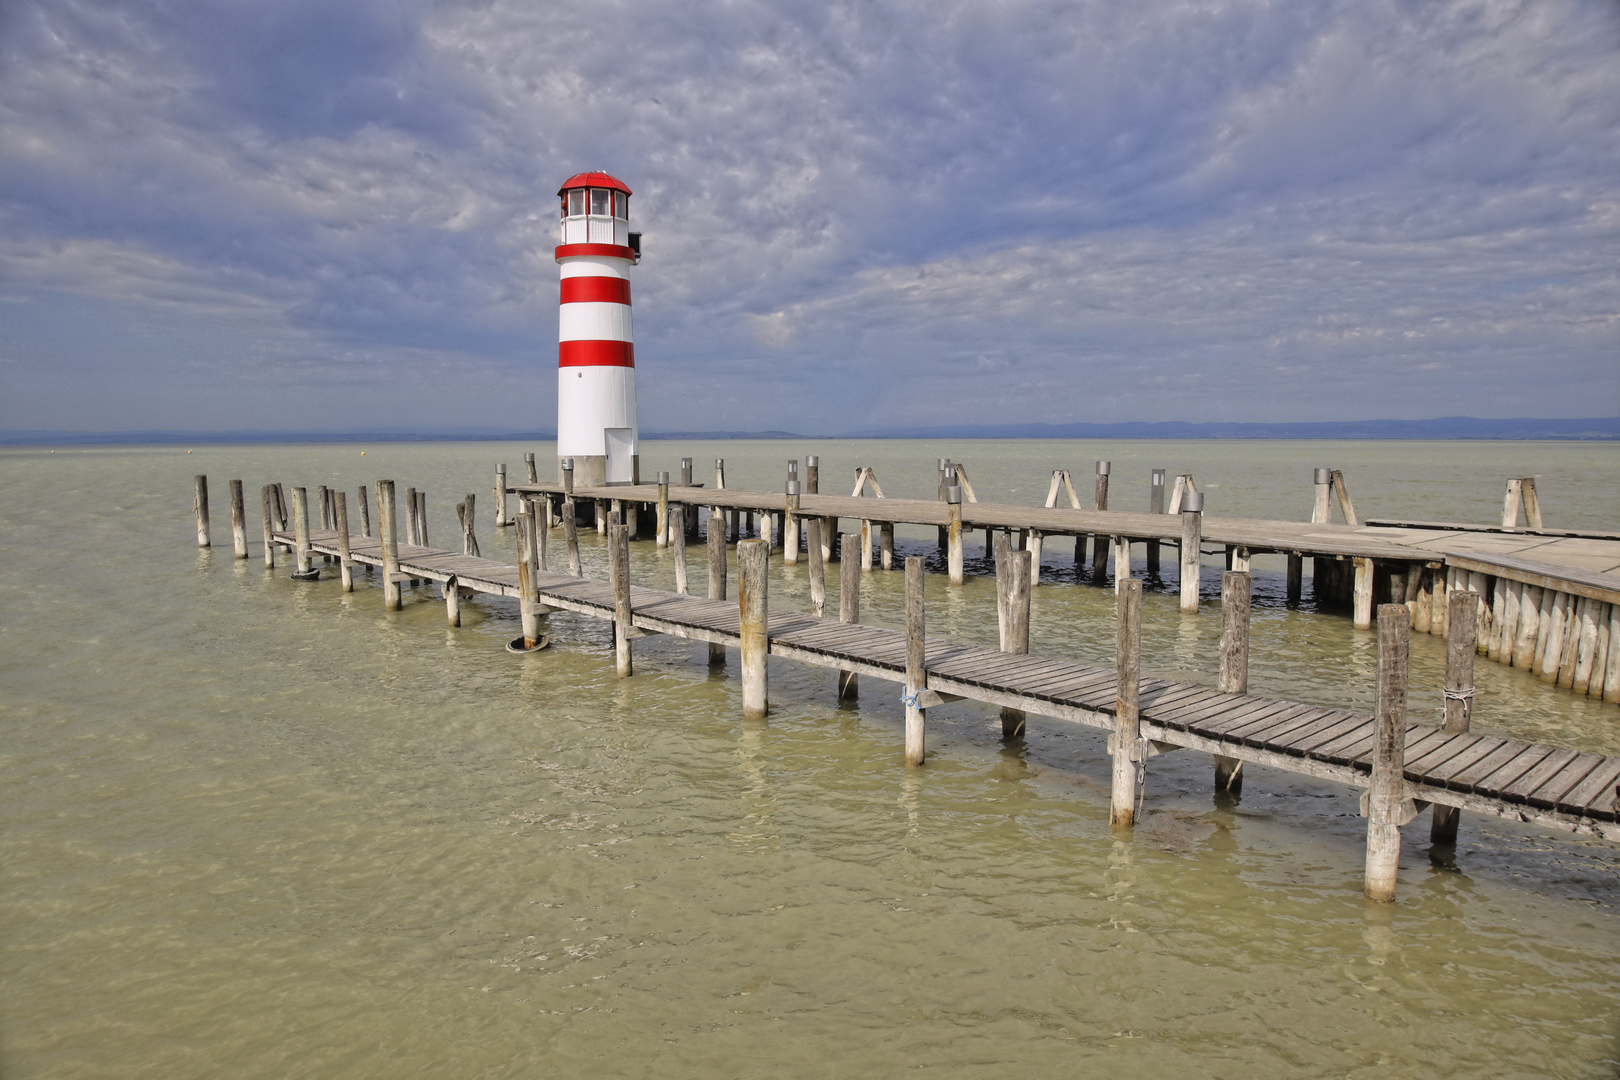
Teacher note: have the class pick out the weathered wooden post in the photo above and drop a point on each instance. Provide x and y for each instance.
(388, 526)
(1099, 542)
(885, 555)
(1237, 592)
(529, 609)
(661, 523)
(753, 565)
(1322, 569)
(365, 513)
(944, 482)
(469, 520)
(421, 517)
(410, 517)
(1386, 798)
(238, 521)
(677, 536)
(269, 528)
(818, 568)
(531, 470)
(953, 533)
(199, 503)
(1036, 541)
(717, 578)
(340, 511)
(1015, 578)
(849, 607)
(279, 504)
(452, 597)
(1122, 560)
(1296, 576)
(916, 661)
(1128, 753)
(1361, 617)
(619, 566)
(1155, 506)
(323, 499)
(502, 519)
(1459, 693)
(812, 486)
(301, 566)
(570, 519)
(1192, 540)
(790, 523)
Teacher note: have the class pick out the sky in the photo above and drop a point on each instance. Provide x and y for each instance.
(305, 215)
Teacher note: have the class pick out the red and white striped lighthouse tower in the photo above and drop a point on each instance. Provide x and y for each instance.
(596, 353)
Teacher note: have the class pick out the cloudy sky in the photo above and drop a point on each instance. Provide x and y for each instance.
(301, 214)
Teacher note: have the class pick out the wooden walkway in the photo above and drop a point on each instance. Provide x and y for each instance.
(1556, 788)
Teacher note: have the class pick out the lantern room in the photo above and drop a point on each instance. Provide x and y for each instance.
(596, 210)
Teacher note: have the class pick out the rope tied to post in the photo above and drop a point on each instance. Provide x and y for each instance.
(1458, 695)
(910, 700)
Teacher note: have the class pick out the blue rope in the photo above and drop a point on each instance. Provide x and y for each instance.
(910, 700)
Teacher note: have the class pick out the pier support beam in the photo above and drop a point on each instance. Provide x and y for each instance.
(1099, 543)
(1387, 805)
(1237, 590)
(301, 566)
(1125, 745)
(269, 527)
(1296, 576)
(619, 567)
(849, 607)
(790, 524)
(662, 521)
(570, 519)
(1362, 615)
(1192, 540)
(502, 519)
(1015, 576)
(953, 534)
(677, 539)
(238, 521)
(199, 503)
(529, 608)
(753, 575)
(345, 556)
(1155, 506)
(818, 567)
(717, 576)
(388, 527)
(1122, 560)
(1459, 692)
(916, 661)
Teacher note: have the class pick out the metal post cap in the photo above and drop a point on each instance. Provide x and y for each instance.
(663, 478)
(793, 487)
(953, 494)
(793, 467)
(686, 463)
(813, 461)
(1158, 478)
(568, 464)
(719, 462)
(1103, 467)
(1324, 476)
(1192, 502)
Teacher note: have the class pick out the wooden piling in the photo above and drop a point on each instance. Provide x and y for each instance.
(849, 607)
(469, 521)
(1296, 576)
(340, 513)
(239, 540)
(661, 523)
(1192, 525)
(818, 567)
(269, 527)
(1361, 617)
(1459, 697)
(452, 598)
(790, 524)
(619, 565)
(279, 505)
(323, 499)
(916, 662)
(953, 534)
(886, 545)
(531, 469)
(570, 518)
(1611, 666)
(1037, 540)
(1524, 641)
(301, 531)
(1122, 559)
(410, 517)
(529, 609)
(1014, 584)
(199, 503)
(1129, 756)
(365, 514)
(717, 579)
(677, 537)
(1386, 797)
(1155, 506)
(753, 566)
(387, 525)
(1237, 592)
(1099, 543)
(502, 519)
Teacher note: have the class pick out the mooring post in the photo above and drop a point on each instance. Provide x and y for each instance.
(1129, 756)
(469, 521)
(677, 536)
(619, 568)
(323, 499)
(1459, 693)
(944, 482)
(452, 598)
(1296, 576)
(238, 521)
(1192, 528)
(1122, 560)
(1322, 568)
(365, 513)
(1386, 798)
(1237, 592)
(953, 533)
(570, 519)
(753, 565)
(388, 526)
(1036, 542)
(541, 512)
(717, 579)
(790, 523)
(849, 607)
(340, 511)
(421, 517)
(279, 504)
(531, 469)
(1099, 542)
(199, 503)
(301, 531)
(528, 563)
(502, 519)
(1155, 506)
(1019, 579)
(916, 661)
(661, 523)
(410, 516)
(1362, 616)
(818, 568)
(269, 528)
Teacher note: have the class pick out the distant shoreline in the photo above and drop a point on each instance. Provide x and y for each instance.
(1442, 429)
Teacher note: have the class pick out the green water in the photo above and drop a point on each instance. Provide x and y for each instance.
(254, 827)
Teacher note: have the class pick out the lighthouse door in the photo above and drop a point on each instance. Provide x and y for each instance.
(621, 448)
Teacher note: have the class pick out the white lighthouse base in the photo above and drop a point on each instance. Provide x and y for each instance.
(596, 424)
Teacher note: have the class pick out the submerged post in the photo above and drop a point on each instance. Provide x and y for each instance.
(818, 568)
(269, 528)
(345, 556)
(1127, 752)
(753, 563)
(199, 503)
(1192, 527)
(1014, 582)
(619, 565)
(1459, 692)
(1237, 591)
(388, 525)
(1386, 798)
(849, 607)
(916, 661)
(238, 521)
(717, 580)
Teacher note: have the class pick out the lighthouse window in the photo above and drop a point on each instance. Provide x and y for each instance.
(576, 202)
(621, 205)
(599, 201)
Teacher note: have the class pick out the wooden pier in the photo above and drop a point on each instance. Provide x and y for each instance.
(1403, 768)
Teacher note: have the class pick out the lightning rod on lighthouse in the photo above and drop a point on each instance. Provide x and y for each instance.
(596, 353)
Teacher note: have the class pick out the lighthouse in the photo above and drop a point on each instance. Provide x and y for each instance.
(596, 352)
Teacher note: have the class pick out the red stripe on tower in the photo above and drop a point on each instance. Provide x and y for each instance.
(596, 354)
(597, 290)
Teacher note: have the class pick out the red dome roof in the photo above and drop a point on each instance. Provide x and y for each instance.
(594, 179)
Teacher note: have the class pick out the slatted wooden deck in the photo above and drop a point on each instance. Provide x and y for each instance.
(1550, 786)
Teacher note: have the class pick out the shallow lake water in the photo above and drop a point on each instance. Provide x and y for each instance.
(255, 827)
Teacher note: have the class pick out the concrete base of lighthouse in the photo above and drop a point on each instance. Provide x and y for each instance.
(590, 470)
